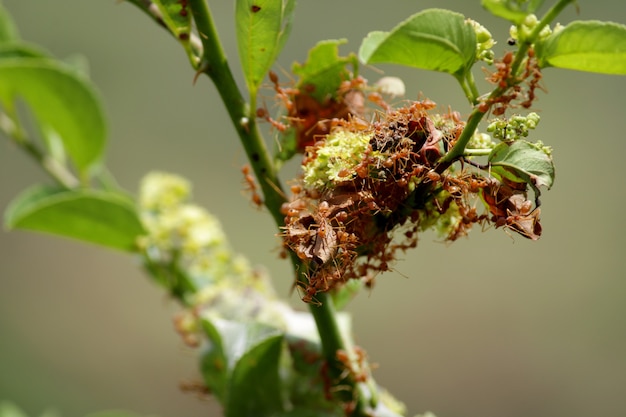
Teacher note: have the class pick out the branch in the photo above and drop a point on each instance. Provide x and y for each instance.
(476, 116)
(52, 167)
(215, 65)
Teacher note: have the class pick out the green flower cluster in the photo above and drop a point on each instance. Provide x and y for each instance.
(337, 159)
(484, 43)
(514, 128)
(480, 140)
(523, 31)
(186, 244)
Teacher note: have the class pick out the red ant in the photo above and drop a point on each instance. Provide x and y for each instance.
(196, 387)
(251, 186)
(531, 69)
(261, 113)
(307, 292)
(503, 73)
(359, 372)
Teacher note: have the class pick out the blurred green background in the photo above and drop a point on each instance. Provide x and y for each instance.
(488, 326)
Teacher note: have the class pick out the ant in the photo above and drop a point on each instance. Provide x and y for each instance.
(251, 186)
(307, 292)
(197, 387)
(531, 69)
(359, 372)
(262, 113)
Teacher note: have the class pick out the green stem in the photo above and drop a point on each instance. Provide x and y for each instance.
(11, 128)
(469, 79)
(215, 65)
(466, 89)
(477, 152)
(325, 317)
(459, 148)
(526, 43)
(332, 340)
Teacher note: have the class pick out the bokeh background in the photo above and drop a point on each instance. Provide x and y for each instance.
(488, 326)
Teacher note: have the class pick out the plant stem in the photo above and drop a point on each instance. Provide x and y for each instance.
(469, 79)
(11, 128)
(477, 152)
(526, 43)
(325, 317)
(459, 147)
(475, 117)
(215, 65)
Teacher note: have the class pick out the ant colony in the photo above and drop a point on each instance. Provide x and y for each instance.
(369, 187)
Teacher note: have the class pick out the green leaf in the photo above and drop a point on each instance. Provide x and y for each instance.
(434, 39)
(324, 69)
(8, 30)
(99, 217)
(241, 366)
(307, 391)
(177, 17)
(319, 77)
(512, 10)
(20, 50)
(256, 379)
(592, 46)
(214, 366)
(61, 101)
(522, 161)
(262, 29)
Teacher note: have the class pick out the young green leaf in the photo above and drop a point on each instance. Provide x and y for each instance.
(20, 50)
(434, 39)
(242, 363)
(512, 10)
(61, 101)
(214, 365)
(307, 391)
(256, 378)
(592, 46)
(522, 161)
(103, 218)
(324, 69)
(262, 29)
(320, 78)
(177, 18)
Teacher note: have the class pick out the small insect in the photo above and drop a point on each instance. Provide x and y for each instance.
(251, 186)
(355, 368)
(307, 293)
(197, 387)
(262, 113)
(433, 176)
